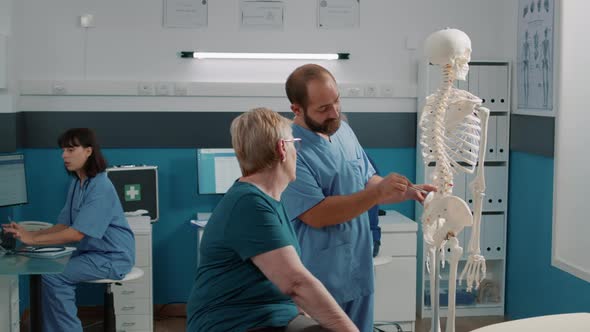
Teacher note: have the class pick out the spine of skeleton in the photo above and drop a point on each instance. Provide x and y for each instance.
(443, 175)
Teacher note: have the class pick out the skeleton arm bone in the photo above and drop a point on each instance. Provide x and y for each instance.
(475, 261)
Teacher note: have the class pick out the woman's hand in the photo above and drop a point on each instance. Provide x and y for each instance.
(19, 233)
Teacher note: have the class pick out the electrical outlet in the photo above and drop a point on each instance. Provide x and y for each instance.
(59, 88)
(386, 90)
(353, 92)
(145, 89)
(181, 89)
(164, 89)
(371, 90)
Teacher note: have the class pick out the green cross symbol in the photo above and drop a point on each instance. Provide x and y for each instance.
(132, 192)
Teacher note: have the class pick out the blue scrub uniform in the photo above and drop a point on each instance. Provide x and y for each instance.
(340, 256)
(374, 220)
(106, 251)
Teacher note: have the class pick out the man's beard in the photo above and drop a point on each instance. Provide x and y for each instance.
(328, 127)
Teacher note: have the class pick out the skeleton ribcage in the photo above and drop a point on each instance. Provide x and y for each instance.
(456, 135)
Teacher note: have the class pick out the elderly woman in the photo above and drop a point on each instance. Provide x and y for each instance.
(250, 277)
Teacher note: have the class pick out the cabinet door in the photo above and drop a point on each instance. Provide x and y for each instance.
(493, 236)
(142, 250)
(501, 88)
(495, 199)
(132, 306)
(491, 142)
(398, 244)
(9, 303)
(395, 290)
(502, 137)
(132, 323)
(139, 288)
(486, 86)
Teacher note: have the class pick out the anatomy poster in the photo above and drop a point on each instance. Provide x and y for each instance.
(535, 56)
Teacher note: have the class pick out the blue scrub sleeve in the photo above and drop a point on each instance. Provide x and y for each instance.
(255, 228)
(368, 166)
(64, 216)
(95, 214)
(303, 193)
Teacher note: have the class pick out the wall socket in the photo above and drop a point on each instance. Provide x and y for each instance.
(371, 90)
(59, 88)
(164, 89)
(386, 90)
(354, 92)
(145, 89)
(181, 89)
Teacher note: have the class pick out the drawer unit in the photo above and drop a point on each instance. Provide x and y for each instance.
(9, 304)
(133, 323)
(133, 299)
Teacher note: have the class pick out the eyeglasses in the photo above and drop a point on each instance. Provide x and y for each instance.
(296, 142)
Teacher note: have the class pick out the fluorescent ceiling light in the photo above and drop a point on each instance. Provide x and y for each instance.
(270, 56)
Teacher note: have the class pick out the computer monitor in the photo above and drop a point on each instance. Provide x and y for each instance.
(13, 182)
(217, 170)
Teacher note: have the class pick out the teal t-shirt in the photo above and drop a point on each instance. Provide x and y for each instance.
(230, 293)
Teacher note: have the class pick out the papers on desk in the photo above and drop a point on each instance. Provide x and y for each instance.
(48, 252)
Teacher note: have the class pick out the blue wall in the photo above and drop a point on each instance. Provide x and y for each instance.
(533, 286)
(402, 161)
(174, 240)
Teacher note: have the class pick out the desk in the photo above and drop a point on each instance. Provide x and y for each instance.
(16, 265)
(578, 322)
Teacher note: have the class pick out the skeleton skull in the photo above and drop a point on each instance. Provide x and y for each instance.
(450, 47)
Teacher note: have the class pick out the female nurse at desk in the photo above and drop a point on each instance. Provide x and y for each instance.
(92, 217)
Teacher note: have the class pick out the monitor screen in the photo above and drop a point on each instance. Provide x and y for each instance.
(13, 183)
(217, 170)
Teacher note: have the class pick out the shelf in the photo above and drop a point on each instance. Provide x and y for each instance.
(475, 310)
(477, 305)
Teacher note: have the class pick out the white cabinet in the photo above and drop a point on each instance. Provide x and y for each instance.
(395, 271)
(9, 304)
(491, 82)
(497, 144)
(133, 299)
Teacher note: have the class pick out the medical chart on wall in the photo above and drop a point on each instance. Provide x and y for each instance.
(262, 14)
(185, 13)
(535, 60)
(338, 14)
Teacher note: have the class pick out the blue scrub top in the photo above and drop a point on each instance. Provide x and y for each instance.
(94, 209)
(340, 256)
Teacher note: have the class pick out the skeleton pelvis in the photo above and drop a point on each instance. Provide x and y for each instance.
(450, 213)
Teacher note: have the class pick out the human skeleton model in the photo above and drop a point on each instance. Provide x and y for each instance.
(453, 136)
